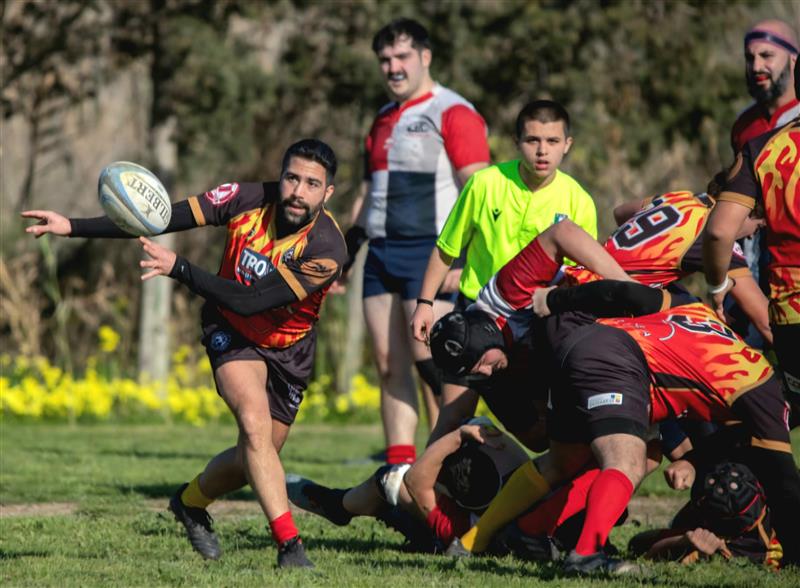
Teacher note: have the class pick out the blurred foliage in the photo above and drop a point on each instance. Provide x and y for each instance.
(652, 86)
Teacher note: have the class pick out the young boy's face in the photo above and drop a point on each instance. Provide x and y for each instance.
(543, 145)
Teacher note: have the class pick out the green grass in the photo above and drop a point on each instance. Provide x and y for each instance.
(116, 480)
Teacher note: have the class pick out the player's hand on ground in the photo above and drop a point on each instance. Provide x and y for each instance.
(161, 261)
(539, 300)
(451, 281)
(680, 474)
(483, 434)
(704, 541)
(421, 322)
(49, 222)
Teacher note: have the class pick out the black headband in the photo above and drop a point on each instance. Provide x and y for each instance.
(769, 38)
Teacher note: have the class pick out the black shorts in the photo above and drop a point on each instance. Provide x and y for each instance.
(601, 386)
(288, 370)
(786, 345)
(765, 413)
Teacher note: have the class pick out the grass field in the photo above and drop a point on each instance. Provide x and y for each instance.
(85, 506)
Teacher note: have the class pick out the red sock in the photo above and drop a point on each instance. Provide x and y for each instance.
(401, 454)
(568, 500)
(283, 528)
(607, 499)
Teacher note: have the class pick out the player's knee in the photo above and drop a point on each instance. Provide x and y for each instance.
(254, 432)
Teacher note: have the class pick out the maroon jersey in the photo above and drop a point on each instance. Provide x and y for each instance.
(308, 260)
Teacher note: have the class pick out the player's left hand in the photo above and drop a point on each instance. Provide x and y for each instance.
(680, 474)
(161, 261)
(539, 301)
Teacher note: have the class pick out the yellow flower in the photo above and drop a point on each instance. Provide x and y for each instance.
(109, 339)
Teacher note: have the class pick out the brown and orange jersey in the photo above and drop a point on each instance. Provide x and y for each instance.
(662, 242)
(768, 170)
(699, 366)
(308, 260)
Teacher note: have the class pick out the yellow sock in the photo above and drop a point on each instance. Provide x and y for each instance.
(525, 486)
(194, 497)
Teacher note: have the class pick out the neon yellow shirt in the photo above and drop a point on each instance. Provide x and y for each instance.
(497, 215)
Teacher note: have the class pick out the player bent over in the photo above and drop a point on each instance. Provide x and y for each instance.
(608, 381)
(282, 253)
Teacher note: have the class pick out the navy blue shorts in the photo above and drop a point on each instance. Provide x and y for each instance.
(397, 266)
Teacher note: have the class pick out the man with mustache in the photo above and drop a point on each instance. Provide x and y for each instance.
(422, 148)
(283, 252)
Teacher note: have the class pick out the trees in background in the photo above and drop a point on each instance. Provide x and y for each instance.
(652, 86)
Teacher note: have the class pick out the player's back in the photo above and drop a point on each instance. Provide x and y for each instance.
(660, 243)
(698, 364)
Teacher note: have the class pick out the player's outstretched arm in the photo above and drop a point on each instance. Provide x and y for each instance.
(269, 292)
(49, 222)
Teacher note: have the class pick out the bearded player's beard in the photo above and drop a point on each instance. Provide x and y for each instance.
(294, 219)
(771, 93)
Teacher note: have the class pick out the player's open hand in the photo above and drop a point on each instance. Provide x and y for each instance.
(161, 261)
(680, 474)
(704, 541)
(421, 322)
(49, 222)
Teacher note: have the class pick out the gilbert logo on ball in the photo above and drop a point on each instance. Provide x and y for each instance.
(134, 198)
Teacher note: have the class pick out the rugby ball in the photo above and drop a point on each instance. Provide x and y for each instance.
(134, 198)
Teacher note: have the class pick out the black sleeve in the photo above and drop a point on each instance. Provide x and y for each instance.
(102, 227)
(269, 292)
(354, 238)
(607, 298)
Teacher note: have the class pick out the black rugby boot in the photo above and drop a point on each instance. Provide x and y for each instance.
(197, 523)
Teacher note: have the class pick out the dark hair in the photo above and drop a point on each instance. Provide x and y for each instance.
(313, 150)
(398, 28)
(543, 111)
(717, 183)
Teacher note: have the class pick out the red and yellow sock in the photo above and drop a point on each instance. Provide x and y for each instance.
(525, 486)
(567, 501)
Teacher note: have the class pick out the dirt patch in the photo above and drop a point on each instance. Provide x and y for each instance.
(654, 510)
(38, 509)
(647, 510)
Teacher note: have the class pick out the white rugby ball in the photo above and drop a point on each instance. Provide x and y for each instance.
(134, 198)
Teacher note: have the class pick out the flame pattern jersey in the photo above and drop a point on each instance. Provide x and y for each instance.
(768, 170)
(699, 367)
(309, 260)
(662, 243)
